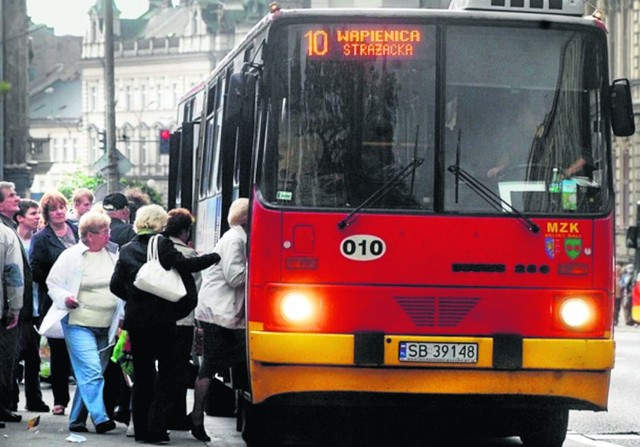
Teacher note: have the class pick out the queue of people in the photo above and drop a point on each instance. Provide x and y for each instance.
(69, 275)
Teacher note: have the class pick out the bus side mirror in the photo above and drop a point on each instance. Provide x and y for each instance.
(235, 98)
(622, 119)
(631, 240)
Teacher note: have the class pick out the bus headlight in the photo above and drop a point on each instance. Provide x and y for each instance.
(577, 313)
(297, 307)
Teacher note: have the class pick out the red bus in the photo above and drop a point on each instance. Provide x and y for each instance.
(431, 219)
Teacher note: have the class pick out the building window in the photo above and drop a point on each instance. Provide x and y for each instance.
(143, 97)
(143, 155)
(74, 149)
(127, 97)
(93, 99)
(159, 96)
(66, 155)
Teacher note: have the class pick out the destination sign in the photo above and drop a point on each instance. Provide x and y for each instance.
(363, 42)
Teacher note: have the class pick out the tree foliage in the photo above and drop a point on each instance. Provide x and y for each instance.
(80, 179)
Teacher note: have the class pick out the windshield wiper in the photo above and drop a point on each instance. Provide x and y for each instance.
(381, 192)
(491, 197)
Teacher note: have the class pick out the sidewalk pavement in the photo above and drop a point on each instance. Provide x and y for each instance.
(53, 430)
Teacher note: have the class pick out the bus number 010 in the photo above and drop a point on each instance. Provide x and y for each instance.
(317, 43)
(363, 247)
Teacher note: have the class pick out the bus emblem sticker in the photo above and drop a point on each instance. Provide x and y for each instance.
(573, 246)
(549, 246)
(362, 247)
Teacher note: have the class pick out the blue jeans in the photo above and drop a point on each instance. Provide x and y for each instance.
(89, 354)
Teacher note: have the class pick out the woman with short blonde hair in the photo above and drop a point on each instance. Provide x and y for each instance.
(79, 283)
(220, 312)
(150, 218)
(92, 222)
(151, 322)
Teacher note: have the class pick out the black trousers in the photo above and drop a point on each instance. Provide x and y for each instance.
(8, 354)
(60, 371)
(184, 378)
(117, 394)
(29, 352)
(153, 390)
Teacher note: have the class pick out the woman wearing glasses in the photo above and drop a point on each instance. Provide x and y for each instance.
(79, 283)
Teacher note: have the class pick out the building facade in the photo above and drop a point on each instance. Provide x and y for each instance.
(14, 123)
(158, 57)
(622, 18)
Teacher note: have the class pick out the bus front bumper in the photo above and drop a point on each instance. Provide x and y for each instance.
(574, 371)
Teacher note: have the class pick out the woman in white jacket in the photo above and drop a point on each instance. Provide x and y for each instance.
(79, 283)
(220, 311)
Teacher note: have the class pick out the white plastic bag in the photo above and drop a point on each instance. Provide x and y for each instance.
(154, 279)
(51, 326)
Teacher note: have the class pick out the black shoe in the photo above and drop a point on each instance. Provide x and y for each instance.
(157, 438)
(79, 429)
(184, 425)
(2, 425)
(105, 426)
(8, 416)
(197, 431)
(122, 416)
(40, 407)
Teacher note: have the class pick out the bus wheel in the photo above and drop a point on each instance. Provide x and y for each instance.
(261, 426)
(546, 428)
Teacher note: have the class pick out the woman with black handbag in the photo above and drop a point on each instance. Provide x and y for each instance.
(151, 322)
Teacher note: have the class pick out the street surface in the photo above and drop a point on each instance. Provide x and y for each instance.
(619, 427)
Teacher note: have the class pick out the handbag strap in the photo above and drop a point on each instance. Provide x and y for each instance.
(152, 248)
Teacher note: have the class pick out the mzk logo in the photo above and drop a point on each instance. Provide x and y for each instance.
(573, 247)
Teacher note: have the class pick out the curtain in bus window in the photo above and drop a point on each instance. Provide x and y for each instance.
(342, 127)
(526, 108)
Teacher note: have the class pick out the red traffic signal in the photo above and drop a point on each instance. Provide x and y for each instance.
(164, 137)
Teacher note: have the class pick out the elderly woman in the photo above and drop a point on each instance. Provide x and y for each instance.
(79, 282)
(178, 230)
(46, 245)
(151, 322)
(220, 311)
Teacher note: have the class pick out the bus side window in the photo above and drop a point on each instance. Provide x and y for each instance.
(205, 169)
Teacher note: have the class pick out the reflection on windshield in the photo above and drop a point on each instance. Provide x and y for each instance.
(533, 135)
(347, 127)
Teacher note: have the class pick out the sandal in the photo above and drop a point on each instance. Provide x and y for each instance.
(58, 410)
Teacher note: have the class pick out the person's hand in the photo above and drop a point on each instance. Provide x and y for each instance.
(495, 171)
(14, 321)
(71, 302)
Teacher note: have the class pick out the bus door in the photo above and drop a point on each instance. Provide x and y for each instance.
(181, 167)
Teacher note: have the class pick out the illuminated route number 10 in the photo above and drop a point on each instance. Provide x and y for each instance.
(317, 43)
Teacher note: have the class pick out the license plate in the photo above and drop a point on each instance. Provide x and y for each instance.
(438, 352)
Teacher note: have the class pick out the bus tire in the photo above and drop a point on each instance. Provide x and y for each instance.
(261, 426)
(546, 428)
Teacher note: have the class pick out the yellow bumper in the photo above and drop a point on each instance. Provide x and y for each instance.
(293, 363)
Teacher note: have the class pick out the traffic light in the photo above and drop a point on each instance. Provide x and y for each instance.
(102, 140)
(165, 136)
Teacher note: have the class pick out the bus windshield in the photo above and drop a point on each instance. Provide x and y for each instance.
(350, 106)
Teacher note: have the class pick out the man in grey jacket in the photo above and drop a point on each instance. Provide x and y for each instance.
(11, 298)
